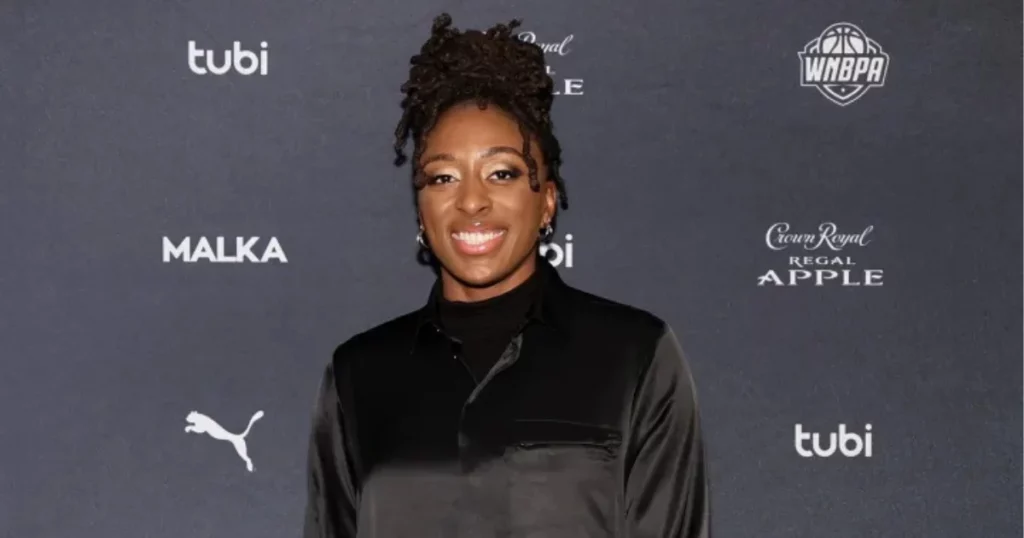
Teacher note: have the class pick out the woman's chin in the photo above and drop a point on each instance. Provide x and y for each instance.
(478, 275)
(477, 271)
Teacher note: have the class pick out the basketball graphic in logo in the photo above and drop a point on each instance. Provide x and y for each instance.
(843, 63)
(842, 39)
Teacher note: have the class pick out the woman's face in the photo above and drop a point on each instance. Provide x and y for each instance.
(481, 217)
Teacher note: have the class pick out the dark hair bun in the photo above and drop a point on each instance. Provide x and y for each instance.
(490, 67)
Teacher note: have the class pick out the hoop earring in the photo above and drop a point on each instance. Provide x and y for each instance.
(420, 240)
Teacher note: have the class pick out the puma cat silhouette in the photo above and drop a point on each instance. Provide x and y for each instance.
(200, 423)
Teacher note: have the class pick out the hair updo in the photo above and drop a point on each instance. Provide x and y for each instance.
(493, 67)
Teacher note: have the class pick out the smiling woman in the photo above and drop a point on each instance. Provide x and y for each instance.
(510, 404)
(486, 162)
(480, 215)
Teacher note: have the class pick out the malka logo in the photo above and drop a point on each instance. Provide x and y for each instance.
(221, 251)
(843, 63)
(556, 254)
(842, 441)
(200, 423)
(244, 62)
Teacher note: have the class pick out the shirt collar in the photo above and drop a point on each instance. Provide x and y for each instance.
(543, 308)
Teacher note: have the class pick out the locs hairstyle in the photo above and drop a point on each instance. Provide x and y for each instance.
(491, 68)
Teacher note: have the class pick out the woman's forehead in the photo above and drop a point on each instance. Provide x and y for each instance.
(462, 117)
(470, 129)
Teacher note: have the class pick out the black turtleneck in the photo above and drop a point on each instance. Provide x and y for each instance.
(486, 327)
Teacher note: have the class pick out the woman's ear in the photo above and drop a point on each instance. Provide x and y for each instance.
(550, 201)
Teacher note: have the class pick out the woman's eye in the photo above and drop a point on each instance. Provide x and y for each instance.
(506, 175)
(443, 178)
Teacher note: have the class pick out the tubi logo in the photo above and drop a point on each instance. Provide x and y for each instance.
(556, 254)
(861, 446)
(201, 250)
(244, 62)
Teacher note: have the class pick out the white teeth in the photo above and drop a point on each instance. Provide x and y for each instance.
(476, 238)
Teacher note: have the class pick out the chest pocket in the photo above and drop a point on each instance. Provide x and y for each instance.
(562, 475)
(540, 442)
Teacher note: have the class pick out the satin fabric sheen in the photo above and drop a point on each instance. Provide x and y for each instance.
(587, 426)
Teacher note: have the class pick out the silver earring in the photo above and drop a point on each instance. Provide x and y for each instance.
(547, 231)
(420, 240)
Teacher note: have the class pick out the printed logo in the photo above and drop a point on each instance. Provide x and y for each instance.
(200, 423)
(557, 254)
(822, 268)
(243, 62)
(190, 251)
(563, 86)
(843, 63)
(841, 441)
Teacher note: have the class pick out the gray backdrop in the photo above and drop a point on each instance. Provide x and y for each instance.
(687, 133)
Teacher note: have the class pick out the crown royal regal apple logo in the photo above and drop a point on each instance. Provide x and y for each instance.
(824, 268)
(562, 86)
(843, 63)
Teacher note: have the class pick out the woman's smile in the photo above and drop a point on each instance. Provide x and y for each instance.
(478, 242)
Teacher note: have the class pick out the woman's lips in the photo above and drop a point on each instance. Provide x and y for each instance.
(477, 243)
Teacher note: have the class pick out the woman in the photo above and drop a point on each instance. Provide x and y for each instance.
(511, 404)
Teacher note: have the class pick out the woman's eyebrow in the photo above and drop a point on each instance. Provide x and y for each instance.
(500, 149)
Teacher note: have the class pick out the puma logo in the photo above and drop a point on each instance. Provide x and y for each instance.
(200, 423)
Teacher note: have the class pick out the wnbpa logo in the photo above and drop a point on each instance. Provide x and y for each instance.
(843, 63)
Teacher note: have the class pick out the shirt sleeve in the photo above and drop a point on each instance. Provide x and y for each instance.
(332, 500)
(666, 489)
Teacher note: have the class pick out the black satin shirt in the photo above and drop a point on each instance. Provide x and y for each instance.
(587, 426)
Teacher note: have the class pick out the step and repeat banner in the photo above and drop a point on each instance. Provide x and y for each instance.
(824, 199)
